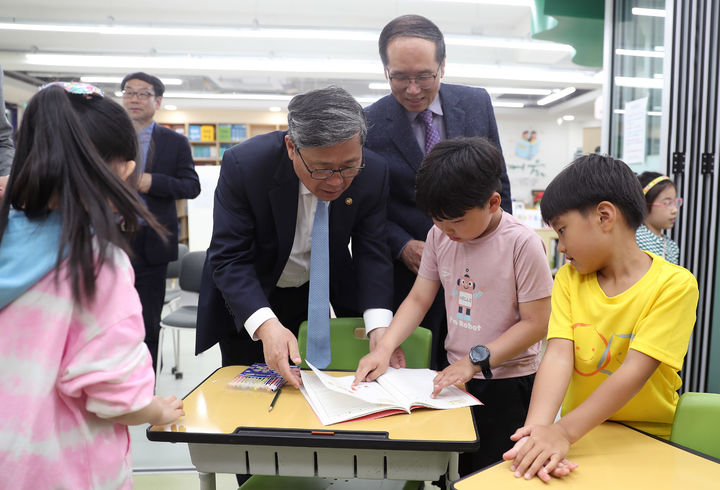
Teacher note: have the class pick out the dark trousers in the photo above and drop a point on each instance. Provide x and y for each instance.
(150, 285)
(504, 409)
(435, 319)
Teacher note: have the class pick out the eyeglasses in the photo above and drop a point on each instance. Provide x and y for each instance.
(78, 88)
(670, 203)
(129, 94)
(423, 82)
(326, 173)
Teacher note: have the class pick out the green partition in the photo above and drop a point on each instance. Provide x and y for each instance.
(579, 23)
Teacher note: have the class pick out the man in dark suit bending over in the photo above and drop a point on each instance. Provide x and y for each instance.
(167, 173)
(403, 126)
(255, 279)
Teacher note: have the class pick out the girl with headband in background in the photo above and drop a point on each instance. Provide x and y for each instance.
(662, 209)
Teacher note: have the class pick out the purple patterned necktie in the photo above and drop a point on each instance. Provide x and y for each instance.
(432, 136)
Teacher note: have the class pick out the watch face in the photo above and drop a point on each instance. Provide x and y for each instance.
(478, 354)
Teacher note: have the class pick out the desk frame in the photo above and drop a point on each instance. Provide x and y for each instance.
(329, 453)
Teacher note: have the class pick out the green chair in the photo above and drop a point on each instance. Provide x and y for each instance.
(348, 344)
(696, 423)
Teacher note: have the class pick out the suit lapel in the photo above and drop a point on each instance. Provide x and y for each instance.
(284, 204)
(453, 113)
(402, 134)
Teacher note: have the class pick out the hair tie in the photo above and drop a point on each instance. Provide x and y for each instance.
(654, 182)
(77, 88)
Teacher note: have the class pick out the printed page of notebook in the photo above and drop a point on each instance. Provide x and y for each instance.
(332, 407)
(371, 392)
(417, 385)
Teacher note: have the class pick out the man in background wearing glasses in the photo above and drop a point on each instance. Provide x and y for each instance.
(167, 173)
(403, 127)
(256, 277)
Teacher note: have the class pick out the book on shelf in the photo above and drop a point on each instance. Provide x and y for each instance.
(204, 151)
(238, 132)
(194, 133)
(224, 132)
(178, 128)
(224, 147)
(335, 399)
(207, 132)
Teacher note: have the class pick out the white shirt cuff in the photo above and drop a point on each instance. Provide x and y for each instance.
(376, 318)
(256, 319)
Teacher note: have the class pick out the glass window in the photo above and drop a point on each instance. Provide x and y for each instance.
(638, 56)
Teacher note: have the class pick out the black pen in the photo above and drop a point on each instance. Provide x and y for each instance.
(272, 403)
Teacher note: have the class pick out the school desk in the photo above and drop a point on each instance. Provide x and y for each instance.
(614, 456)
(231, 431)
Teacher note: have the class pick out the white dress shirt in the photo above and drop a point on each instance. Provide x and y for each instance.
(297, 269)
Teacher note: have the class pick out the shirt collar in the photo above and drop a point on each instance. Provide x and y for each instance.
(147, 129)
(304, 190)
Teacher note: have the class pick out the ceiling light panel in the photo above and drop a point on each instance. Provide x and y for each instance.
(555, 96)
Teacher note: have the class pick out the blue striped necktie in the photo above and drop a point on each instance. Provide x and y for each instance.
(318, 340)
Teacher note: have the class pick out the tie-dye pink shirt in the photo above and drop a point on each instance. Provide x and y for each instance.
(64, 370)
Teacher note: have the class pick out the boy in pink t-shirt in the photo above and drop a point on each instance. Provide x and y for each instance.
(497, 285)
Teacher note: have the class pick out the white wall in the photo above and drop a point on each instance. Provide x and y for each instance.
(555, 146)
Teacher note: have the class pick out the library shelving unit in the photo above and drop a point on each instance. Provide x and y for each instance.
(208, 141)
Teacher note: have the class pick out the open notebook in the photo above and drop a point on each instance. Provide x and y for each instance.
(335, 400)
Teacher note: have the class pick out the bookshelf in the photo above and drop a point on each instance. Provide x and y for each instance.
(209, 140)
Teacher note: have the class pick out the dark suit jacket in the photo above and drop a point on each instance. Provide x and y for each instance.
(467, 111)
(254, 218)
(173, 177)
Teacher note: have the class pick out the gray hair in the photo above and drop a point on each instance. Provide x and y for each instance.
(325, 117)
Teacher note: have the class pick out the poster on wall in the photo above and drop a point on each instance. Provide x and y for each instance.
(526, 167)
(634, 131)
(528, 145)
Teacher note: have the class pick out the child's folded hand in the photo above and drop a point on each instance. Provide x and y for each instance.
(540, 451)
(520, 437)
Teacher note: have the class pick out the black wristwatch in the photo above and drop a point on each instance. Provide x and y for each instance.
(480, 356)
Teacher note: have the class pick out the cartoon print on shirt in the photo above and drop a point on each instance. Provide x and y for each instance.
(593, 352)
(466, 286)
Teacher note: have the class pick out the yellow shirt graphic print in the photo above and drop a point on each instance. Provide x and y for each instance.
(595, 351)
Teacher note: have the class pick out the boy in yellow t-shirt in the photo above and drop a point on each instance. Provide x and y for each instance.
(620, 323)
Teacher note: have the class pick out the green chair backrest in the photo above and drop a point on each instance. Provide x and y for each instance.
(348, 344)
(697, 423)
